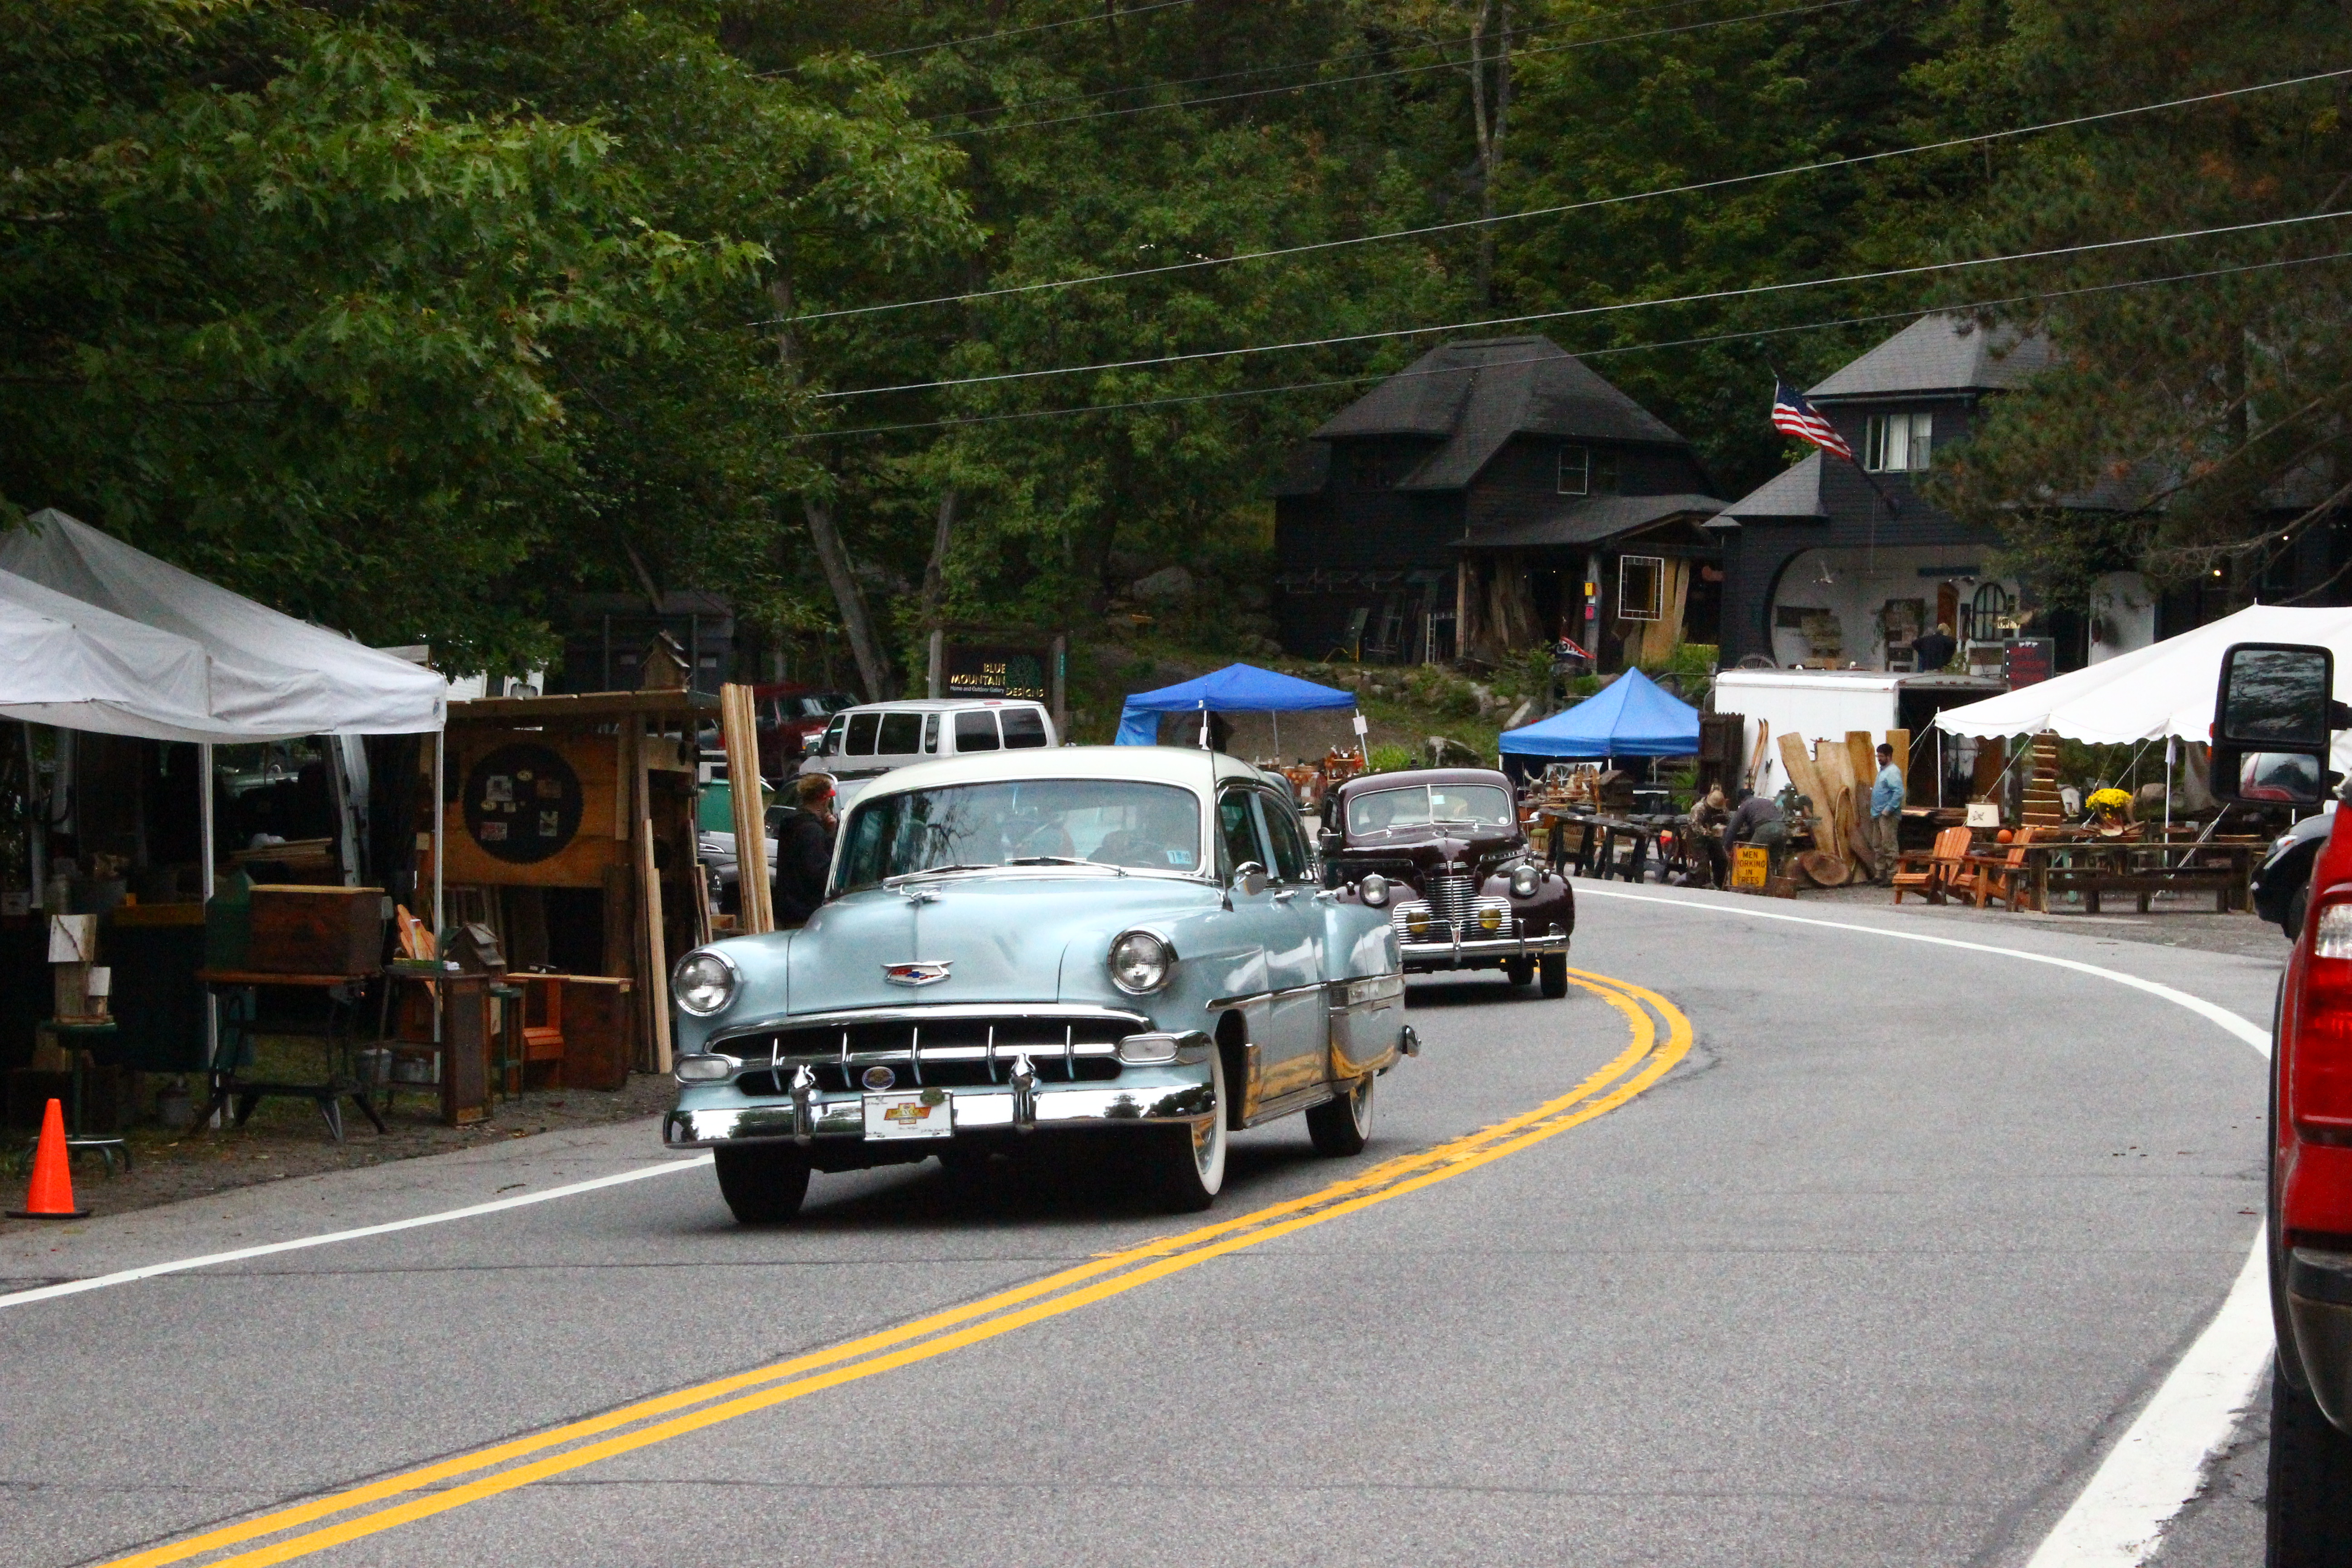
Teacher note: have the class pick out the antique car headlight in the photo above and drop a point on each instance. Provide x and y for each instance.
(1524, 881)
(1141, 963)
(1373, 890)
(1490, 920)
(704, 983)
(1416, 918)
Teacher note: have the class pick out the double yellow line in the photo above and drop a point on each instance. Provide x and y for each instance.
(1661, 1036)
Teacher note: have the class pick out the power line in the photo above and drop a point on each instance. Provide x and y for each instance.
(1701, 298)
(1751, 334)
(1533, 30)
(1728, 180)
(1015, 32)
(1401, 70)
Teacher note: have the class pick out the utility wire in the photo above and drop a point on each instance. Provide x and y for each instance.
(1013, 32)
(1727, 180)
(1401, 70)
(1750, 334)
(1532, 30)
(1701, 298)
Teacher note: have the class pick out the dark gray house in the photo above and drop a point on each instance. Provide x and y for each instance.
(1463, 505)
(1834, 562)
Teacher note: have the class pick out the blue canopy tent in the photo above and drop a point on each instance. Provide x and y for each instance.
(1630, 717)
(1236, 689)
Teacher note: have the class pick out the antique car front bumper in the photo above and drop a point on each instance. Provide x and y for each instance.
(996, 1069)
(1479, 951)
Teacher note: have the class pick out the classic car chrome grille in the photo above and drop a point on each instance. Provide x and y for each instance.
(1452, 895)
(1473, 922)
(961, 1051)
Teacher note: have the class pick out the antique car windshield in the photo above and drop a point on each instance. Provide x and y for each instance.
(1425, 806)
(974, 827)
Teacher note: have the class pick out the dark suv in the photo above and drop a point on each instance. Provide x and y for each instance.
(1442, 850)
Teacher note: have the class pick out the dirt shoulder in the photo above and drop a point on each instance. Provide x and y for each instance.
(288, 1137)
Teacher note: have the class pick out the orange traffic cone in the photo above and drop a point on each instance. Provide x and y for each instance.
(51, 1195)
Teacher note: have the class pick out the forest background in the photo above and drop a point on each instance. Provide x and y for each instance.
(416, 317)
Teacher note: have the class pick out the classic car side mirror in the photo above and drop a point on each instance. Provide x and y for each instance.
(2272, 713)
(1330, 841)
(1249, 878)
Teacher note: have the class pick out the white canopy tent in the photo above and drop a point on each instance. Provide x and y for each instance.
(2163, 692)
(69, 663)
(273, 677)
(2163, 689)
(204, 664)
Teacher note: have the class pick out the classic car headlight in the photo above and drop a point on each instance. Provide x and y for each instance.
(703, 1069)
(1141, 963)
(1524, 881)
(1490, 920)
(704, 983)
(1373, 890)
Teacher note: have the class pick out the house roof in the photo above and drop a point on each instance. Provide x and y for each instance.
(1940, 353)
(1305, 471)
(1591, 520)
(1794, 493)
(1476, 396)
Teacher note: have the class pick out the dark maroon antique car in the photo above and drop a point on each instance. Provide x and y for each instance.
(1441, 849)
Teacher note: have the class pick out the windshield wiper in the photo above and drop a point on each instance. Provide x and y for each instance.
(1065, 861)
(931, 872)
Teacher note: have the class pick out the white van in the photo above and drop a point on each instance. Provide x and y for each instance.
(867, 742)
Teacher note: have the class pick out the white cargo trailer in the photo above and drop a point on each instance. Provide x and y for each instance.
(1824, 704)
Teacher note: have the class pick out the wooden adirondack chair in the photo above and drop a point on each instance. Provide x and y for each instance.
(2004, 879)
(1930, 875)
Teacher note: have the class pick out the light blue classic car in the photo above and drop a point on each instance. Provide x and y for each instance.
(1128, 942)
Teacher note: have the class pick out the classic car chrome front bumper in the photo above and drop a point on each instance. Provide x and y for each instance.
(1009, 1108)
(1479, 951)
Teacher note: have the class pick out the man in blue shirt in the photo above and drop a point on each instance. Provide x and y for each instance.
(1885, 812)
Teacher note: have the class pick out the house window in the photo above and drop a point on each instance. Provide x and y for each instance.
(1641, 588)
(1897, 443)
(1585, 472)
(1371, 467)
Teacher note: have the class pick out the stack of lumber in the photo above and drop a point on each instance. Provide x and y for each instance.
(1837, 777)
(2043, 807)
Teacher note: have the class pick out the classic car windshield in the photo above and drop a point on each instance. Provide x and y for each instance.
(1422, 805)
(1110, 822)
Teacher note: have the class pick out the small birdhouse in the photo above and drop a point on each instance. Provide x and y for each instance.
(666, 666)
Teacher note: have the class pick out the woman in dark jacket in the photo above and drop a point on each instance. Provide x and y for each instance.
(804, 852)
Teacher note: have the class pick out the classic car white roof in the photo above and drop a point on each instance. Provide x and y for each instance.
(1156, 764)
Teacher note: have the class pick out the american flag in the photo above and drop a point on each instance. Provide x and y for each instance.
(1793, 416)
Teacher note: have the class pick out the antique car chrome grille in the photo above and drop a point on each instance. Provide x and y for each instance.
(1451, 895)
(1479, 919)
(961, 1051)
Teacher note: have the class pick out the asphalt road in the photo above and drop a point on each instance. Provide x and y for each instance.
(1871, 1275)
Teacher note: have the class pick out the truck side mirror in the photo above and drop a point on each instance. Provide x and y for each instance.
(2272, 713)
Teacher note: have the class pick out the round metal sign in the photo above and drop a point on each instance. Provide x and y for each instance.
(522, 804)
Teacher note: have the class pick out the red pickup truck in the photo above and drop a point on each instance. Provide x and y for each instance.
(2273, 717)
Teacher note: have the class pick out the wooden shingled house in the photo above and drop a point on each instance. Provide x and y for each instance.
(1492, 496)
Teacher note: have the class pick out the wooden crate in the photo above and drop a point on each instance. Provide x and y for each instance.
(599, 1031)
(316, 931)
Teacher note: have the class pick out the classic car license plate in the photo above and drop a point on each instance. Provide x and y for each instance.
(918, 1113)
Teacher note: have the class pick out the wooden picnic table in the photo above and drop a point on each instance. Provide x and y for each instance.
(2094, 866)
(1600, 840)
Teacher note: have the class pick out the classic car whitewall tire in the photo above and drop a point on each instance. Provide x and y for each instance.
(1555, 974)
(762, 1182)
(1342, 1127)
(1186, 1163)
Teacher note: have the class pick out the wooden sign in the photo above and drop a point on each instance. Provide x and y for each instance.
(531, 808)
(1750, 863)
(1004, 672)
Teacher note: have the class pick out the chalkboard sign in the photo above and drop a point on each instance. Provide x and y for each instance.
(2029, 661)
(1016, 672)
(523, 803)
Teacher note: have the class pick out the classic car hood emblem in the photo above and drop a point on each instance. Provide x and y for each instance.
(917, 972)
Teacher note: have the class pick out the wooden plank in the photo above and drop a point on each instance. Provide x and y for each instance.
(653, 948)
(1863, 752)
(1901, 741)
(739, 726)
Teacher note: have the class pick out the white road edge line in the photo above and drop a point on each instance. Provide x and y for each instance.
(498, 1205)
(2159, 1462)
